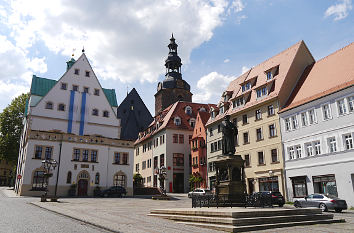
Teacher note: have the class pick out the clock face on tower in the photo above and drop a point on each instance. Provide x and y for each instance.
(180, 84)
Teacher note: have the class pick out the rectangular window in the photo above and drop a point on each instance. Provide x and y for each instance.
(48, 152)
(351, 103)
(287, 124)
(258, 114)
(332, 144)
(270, 110)
(175, 138)
(87, 73)
(86, 89)
(93, 155)
(325, 184)
(269, 184)
(247, 160)
(125, 159)
(245, 138)
(274, 154)
(64, 86)
(85, 154)
(244, 119)
(298, 151)
(212, 149)
(259, 134)
(348, 140)
(219, 128)
(76, 154)
(181, 138)
(38, 153)
(272, 132)
(260, 158)
(38, 181)
(143, 167)
(75, 88)
(304, 119)
(269, 75)
(341, 107)
(117, 157)
(97, 92)
(211, 131)
(309, 149)
(326, 112)
(317, 146)
(299, 186)
(294, 122)
(312, 116)
(291, 152)
(178, 159)
(77, 71)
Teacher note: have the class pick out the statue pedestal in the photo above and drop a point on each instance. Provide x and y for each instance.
(230, 179)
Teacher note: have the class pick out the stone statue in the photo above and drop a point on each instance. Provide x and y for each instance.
(229, 132)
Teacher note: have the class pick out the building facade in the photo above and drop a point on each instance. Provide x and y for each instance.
(167, 143)
(74, 121)
(199, 151)
(252, 101)
(318, 129)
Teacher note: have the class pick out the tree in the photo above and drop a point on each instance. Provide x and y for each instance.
(10, 128)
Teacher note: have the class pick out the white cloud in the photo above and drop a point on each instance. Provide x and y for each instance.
(226, 60)
(339, 10)
(124, 40)
(9, 91)
(37, 65)
(244, 69)
(210, 87)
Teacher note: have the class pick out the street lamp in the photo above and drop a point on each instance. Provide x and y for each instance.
(271, 174)
(162, 172)
(48, 165)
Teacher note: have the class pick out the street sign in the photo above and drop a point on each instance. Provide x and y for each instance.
(19, 176)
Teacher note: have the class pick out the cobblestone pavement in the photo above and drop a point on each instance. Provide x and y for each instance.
(130, 215)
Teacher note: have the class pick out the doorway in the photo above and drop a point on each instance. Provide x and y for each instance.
(178, 183)
(82, 187)
(250, 185)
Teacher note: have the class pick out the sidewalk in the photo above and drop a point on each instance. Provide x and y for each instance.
(9, 192)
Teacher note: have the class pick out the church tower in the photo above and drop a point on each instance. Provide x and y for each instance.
(173, 88)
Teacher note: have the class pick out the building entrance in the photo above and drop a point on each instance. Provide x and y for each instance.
(178, 183)
(82, 187)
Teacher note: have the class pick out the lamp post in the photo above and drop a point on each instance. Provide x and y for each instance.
(271, 174)
(48, 165)
(162, 172)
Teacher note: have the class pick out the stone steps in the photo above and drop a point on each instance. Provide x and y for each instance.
(241, 219)
(230, 228)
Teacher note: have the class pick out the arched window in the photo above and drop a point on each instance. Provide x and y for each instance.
(192, 122)
(38, 182)
(83, 175)
(202, 109)
(97, 178)
(188, 110)
(68, 178)
(49, 105)
(119, 179)
(177, 120)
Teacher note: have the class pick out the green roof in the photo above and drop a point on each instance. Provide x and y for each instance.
(41, 86)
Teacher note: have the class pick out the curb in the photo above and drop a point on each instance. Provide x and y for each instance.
(77, 219)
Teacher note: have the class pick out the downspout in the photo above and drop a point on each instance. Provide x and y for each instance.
(56, 183)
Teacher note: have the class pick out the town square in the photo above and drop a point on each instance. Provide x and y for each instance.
(177, 116)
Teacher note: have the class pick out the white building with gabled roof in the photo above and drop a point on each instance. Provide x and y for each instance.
(74, 121)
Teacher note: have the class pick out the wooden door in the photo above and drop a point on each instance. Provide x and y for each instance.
(82, 187)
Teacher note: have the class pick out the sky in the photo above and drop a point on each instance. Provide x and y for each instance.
(126, 41)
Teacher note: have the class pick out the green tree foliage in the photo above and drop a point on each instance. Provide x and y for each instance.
(10, 128)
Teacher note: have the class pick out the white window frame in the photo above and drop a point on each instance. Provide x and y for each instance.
(348, 141)
(287, 124)
(323, 110)
(350, 100)
(332, 144)
(177, 121)
(317, 147)
(294, 122)
(291, 152)
(342, 106)
(304, 119)
(298, 151)
(309, 149)
(314, 119)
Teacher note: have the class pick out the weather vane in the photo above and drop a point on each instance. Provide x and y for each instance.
(73, 52)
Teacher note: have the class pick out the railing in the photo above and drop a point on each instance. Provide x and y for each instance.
(253, 200)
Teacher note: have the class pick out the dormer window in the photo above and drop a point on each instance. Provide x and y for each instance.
(49, 105)
(202, 109)
(269, 75)
(188, 110)
(262, 92)
(221, 110)
(192, 122)
(105, 114)
(238, 102)
(77, 71)
(246, 87)
(177, 121)
(95, 112)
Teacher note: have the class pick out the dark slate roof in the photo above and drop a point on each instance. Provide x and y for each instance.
(41, 86)
(134, 115)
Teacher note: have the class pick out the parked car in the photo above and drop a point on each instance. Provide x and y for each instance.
(276, 197)
(322, 201)
(114, 191)
(198, 192)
